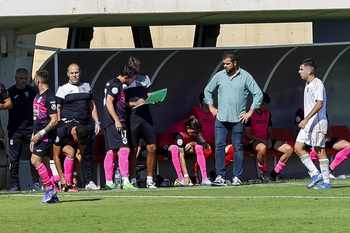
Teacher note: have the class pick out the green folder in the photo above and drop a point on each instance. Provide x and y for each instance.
(156, 96)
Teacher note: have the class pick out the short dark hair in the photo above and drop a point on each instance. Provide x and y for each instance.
(21, 71)
(128, 71)
(193, 123)
(201, 97)
(266, 98)
(230, 54)
(309, 62)
(43, 75)
(134, 62)
(82, 134)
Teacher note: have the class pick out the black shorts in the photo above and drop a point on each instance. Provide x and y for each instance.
(249, 146)
(142, 130)
(42, 148)
(115, 139)
(330, 144)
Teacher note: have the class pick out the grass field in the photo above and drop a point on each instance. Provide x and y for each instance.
(286, 206)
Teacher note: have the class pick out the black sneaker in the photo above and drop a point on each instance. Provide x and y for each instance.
(265, 177)
(274, 176)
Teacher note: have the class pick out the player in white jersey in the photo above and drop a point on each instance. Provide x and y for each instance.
(313, 128)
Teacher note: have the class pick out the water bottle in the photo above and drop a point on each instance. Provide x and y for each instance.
(118, 179)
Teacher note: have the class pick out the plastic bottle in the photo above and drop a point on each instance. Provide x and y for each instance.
(118, 179)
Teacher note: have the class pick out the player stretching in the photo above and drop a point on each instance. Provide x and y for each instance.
(45, 120)
(70, 141)
(314, 126)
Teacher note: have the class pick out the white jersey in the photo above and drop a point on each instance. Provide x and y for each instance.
(313, 92)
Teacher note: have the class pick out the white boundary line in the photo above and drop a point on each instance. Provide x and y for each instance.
(189, 197)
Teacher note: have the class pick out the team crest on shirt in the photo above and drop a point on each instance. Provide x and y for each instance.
(179, 142)
(53, 107)
(114, 90)
(26, 94)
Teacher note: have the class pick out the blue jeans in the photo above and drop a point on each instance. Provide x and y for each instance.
(221, 131)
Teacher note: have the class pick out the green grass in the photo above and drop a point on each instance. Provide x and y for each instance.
(275, 207)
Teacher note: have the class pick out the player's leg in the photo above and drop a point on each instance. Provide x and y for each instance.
(324, 167)
(68, 163)
(343, 147)
(260, 148)
(286, 151)
(151, 163)
(202, 164)
(175, 158)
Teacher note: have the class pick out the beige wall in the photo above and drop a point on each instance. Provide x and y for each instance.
(181, 36)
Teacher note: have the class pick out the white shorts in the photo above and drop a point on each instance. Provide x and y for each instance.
(312, 138)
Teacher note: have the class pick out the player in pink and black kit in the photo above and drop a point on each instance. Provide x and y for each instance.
(180, 139)
(116, 140)
(207, 120)
(70, 141)
(338, 144)
(258, 137)
(45, 121)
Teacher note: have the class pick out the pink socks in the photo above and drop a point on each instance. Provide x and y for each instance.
(109, 165)
(340, 157)
(313, 155)
(44, 175)
(262, 167)
(123, 161)
(175, 157)
(68, 169)
(201, 161)
(279, 167)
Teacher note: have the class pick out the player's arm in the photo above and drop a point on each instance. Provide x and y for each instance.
(56, 158)
(112, 113)
(7, 104)
(50, 126)
(77, 161)
(94, 115)
(314, 111)
(134, 104)
(59, 110)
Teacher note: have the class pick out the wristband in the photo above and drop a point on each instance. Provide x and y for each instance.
(42, 132)
(186, 175)
(98, 123)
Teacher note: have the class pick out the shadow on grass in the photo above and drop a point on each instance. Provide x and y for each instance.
(94, 199)
(343, 186)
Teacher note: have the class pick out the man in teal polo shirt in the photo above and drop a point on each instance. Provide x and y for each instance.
(233, 85)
